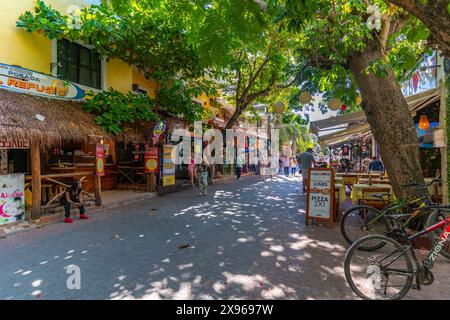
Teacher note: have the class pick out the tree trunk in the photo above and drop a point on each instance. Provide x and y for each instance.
(232, 121)
(435, 16)
(391, 122)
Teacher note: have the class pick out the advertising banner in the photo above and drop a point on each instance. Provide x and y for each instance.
(100, 160)
(151, 160)
(12, 198)
(31, 82)
(168, 166)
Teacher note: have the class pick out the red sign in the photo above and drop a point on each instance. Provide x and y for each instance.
(21, 144)
(151, 160)
(100, 160)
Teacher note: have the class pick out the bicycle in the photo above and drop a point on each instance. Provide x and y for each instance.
(362, 220)
(389, 272)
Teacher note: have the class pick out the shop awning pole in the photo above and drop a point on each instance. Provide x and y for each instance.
(36, 180)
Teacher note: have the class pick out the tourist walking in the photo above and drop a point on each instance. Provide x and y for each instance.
(306, 162)
(294, 165)
(192, 171)
(286, 165)
(239, 164)
(202, 173)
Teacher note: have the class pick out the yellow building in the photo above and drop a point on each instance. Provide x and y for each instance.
(37, 53)
(41, 135)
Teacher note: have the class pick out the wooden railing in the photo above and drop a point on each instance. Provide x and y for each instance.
(61, 187)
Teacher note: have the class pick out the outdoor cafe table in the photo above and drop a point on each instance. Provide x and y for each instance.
(357, 189)
(341, 174)
(374, 181)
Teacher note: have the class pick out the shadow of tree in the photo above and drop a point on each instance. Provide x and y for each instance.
(247, 240)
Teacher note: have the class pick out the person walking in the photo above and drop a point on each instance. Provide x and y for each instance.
(202, 173)
(192, 171)
(306, 162)
(73, 197)
(286, 165)
(239, 163)
(294, 166)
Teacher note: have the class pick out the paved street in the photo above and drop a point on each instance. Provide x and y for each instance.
(247, 240)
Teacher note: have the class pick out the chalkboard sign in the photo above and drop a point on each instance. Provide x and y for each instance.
(320, 194)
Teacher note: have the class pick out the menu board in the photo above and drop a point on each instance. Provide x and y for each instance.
(168, 166)
(320, 194)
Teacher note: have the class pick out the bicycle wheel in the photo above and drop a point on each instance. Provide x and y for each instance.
(386, 274)
(435, 217)
(360, 221)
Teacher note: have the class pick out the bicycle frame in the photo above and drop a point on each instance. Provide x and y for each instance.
(432, 254)
(394, 207)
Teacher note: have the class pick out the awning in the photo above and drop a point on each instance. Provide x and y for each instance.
(347, 125)
(350, 133)
(48, 122)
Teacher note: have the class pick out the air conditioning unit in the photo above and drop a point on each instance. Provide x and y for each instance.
(139, 90)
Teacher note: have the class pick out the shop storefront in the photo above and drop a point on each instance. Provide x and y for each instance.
(48, 143)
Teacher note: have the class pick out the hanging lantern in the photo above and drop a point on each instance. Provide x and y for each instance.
(278, 107)
(343, 107)
(424, 124)
(334, 104)
(358, 99)
(305, 97)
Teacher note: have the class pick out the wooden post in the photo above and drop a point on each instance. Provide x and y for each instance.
(98, 184)
(98, 190)
(36, 180)
(151, 182)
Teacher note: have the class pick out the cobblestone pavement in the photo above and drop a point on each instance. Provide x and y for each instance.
(247, 240)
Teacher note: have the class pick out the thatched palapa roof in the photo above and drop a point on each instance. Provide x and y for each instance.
(64, 120)
(137, 132)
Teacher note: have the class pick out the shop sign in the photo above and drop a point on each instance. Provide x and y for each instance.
(320, 194)
(21, 144)
(151, 160)
(168, 166)
(27, 81)
(158, 131)
(100, 160)
(12, 198)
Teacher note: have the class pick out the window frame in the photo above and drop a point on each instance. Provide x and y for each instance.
(67, 50)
